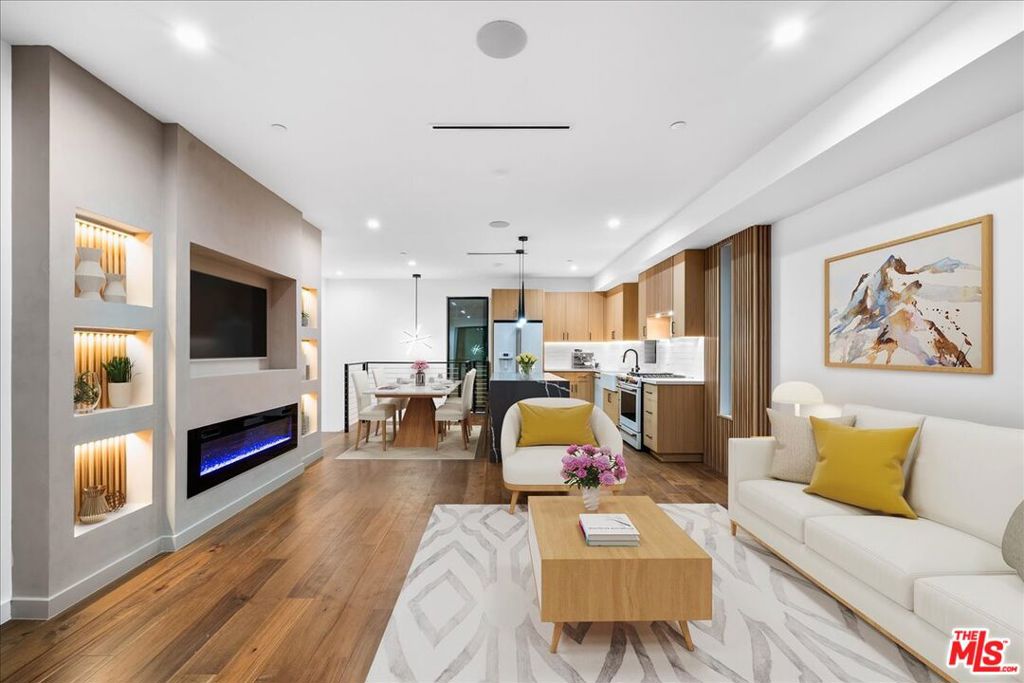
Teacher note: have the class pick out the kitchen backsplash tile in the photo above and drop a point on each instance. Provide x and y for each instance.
(683, 355)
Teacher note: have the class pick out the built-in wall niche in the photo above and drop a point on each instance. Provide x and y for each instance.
(123, 466)
(281, 313)
(310, 359)
(93, 351)
(308, 412)
(309, 317)
(113, 262)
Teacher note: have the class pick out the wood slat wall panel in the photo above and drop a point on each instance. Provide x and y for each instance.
(751, 337)
(101, 462)
(112, 242)
(92, 349)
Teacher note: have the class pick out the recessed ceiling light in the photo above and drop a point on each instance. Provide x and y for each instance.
(499, 224)
(191, 37)
(676, 125)
(411, 263)
(501, 39)
(497, 265)
(573, 266)
(613, 223)
(279, 127)
(372, 223)
(338, 273)
(788, 32)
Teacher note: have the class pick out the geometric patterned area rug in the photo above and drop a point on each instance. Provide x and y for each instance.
(468, 612)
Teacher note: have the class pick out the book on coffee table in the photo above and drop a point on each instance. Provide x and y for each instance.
(609, 530)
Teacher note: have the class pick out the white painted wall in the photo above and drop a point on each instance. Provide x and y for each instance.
(980, 174)
(5, 332)
(364, 320)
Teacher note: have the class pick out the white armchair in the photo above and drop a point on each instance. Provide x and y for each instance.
(539, 468)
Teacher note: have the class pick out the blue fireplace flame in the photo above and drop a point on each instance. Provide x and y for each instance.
(212, 463)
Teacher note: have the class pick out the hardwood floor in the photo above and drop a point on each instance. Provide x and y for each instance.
(298, 587)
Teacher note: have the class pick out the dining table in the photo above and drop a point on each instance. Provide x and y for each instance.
(416, 429)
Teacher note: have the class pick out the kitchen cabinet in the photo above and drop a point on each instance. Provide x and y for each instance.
(621, 313)
(595, 317)
(641, 304)
(581, 384)
(567, 316)
(505, 304)
(659, 289)
(688, 294)
(610, 404)
(673, 421)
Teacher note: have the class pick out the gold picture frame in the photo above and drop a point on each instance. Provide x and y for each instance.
(926, 305)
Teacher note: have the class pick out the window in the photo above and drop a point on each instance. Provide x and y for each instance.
(725, 331)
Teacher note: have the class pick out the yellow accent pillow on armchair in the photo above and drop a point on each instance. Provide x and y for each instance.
(555, 426)
(862, 467)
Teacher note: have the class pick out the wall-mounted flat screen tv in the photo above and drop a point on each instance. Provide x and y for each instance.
(229, 319)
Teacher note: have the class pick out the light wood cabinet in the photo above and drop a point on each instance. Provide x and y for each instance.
(610, 404)
(641, 305)
(581, 385)
(659, 289)
(673, 421)
(621, 313)
(505, 304)
(595, 317)
(567, 317)
(688, 294)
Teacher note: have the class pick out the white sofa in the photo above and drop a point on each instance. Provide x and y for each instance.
(539, 468)
(914, 579)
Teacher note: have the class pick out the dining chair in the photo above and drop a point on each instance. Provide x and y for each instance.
(457, 410)
(368, 411)
(380, 379)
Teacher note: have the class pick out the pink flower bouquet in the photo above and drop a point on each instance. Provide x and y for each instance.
(420, 365)
(589, 467)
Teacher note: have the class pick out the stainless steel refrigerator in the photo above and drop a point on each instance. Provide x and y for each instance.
(510, 340)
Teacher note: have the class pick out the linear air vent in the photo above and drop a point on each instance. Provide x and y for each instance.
(501, 126)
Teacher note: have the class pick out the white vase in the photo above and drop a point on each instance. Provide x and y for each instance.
(591, 498)
(89, 276)
(119, 394)
(115, 292)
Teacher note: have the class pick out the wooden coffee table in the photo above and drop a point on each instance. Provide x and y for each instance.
(666, 578)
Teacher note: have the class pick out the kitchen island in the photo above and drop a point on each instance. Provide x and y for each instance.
(508, 388)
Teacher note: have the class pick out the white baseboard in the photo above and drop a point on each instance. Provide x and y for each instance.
(5, 611)
(47, 608)
(312, 457)
(186, 536)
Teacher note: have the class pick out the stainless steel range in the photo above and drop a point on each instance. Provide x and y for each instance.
(630, 386)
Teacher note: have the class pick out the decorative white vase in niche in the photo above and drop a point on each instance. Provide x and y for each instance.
(115, 292)
(119, 394)
(89, 276)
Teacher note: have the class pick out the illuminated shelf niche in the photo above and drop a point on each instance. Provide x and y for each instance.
(121, 463)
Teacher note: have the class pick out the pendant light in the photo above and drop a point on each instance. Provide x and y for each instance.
(521, 251)
(415, 338)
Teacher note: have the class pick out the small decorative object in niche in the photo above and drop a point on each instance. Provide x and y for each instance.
(87, 392)
(115, 292)
(115, 500)
(89, 275)
(305, 319)
(94, 504)
(922, 302)
(119, 371)
(305, 423)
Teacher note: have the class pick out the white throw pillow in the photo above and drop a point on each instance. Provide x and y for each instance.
(795, 451)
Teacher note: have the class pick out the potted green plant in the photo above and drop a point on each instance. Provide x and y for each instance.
(119, 381)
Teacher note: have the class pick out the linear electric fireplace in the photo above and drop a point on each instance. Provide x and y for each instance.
(224, 450)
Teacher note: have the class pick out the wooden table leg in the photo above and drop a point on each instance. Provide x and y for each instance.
(684, 628)
(556, 634)
(417, 427)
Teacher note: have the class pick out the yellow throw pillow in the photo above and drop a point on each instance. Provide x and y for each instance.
(862, 467)
(556, 426)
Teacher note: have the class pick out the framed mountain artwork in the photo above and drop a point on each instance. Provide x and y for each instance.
(923, 302)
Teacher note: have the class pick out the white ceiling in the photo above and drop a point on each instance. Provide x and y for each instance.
(358, 83)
